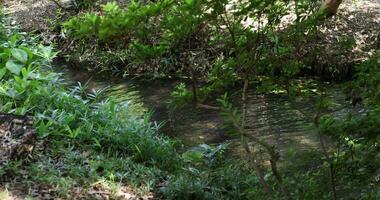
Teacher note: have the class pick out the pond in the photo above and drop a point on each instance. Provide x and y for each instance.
(270, 116)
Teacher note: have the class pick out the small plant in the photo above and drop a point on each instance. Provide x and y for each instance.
(180, 96)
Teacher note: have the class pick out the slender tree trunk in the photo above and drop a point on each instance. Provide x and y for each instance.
(193, 84)
(329, 159)
(244, 100)
(256, 166)
(330, 7)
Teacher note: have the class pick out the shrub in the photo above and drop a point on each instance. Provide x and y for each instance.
(60, 113)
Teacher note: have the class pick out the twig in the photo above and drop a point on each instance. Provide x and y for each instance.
(274, 155)
(59, 5)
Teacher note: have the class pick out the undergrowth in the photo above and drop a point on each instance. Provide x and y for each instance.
(89, 142)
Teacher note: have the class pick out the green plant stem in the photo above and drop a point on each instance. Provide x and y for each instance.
(274, 155)
(326, 153)
(256, 167)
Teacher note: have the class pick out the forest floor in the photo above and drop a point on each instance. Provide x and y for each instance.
(359, 20)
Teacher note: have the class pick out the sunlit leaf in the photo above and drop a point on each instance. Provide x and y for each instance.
(14, 67)
(20, 55)
(2, 72)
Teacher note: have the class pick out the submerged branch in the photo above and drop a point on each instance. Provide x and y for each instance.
(200, 105)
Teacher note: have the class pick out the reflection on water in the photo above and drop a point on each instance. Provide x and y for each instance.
(272, 117)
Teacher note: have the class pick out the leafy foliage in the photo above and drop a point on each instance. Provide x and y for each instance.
(216, 44)
(210, 176)
(90, 140)
(217, 30)
(367, 82)
(357, 136)
(73, 120)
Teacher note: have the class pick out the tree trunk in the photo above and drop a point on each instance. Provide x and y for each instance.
(330, 7)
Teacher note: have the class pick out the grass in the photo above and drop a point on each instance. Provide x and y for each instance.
(84, 141)
(93, 147)
(67, 169)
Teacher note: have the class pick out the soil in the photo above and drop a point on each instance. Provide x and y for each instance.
(359, 20)
(17, 136)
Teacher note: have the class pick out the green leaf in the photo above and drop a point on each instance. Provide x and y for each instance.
(46, 52)
(189, 2)
(20, 55)
(193, 156)
(14, 67)
(2, 72)
(110, 7)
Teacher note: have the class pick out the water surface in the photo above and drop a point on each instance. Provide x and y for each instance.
(272, 117)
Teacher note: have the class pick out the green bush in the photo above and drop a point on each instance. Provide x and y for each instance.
(90, 139)
(102, 124)
(209, 175)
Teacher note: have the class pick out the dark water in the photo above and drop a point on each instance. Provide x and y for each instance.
(272, 117)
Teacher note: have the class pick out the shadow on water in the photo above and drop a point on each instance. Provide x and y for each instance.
(272, 117)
